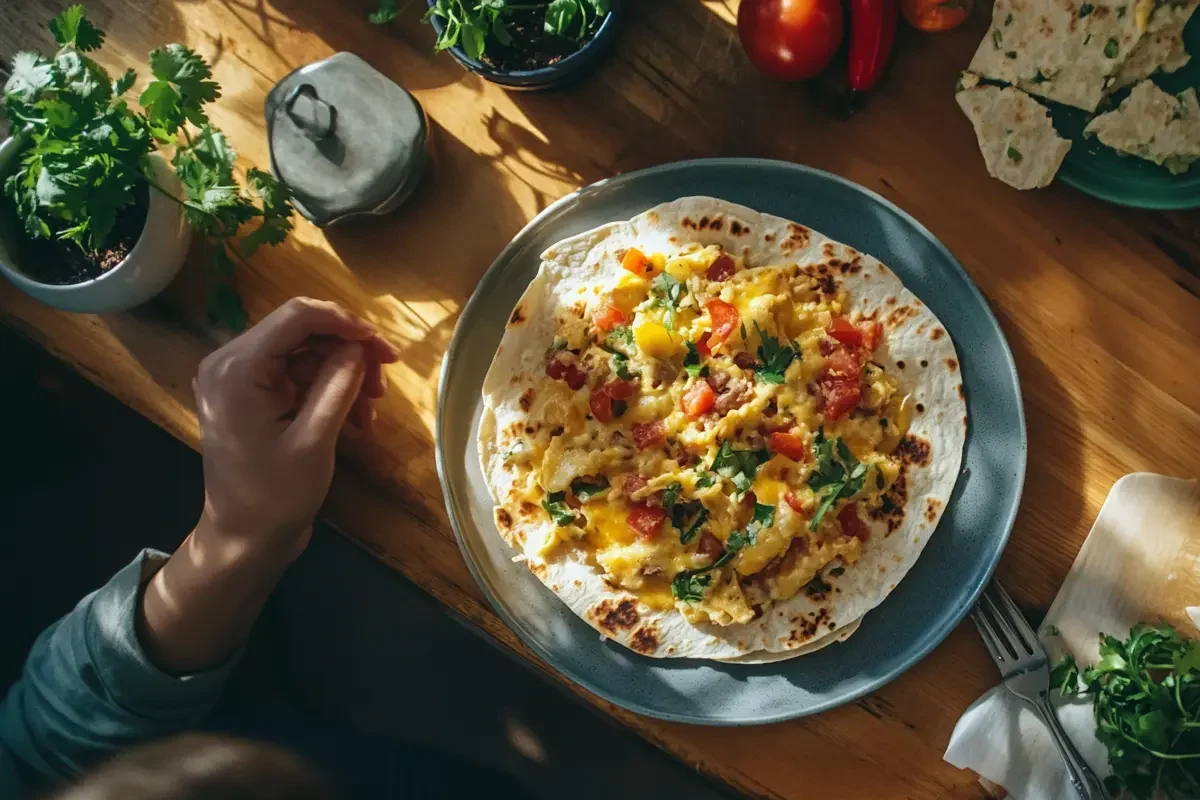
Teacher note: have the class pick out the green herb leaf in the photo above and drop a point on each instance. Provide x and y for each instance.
(706, 480)
(224, 304)
(556, 506)
(689, 585)
(686, 536)
(384, 13)
(124, 83)
(585, 490)
(1111, 48)
(997, 39)
(740, 466)
(817, 586)
(692, 363)
(1085, 9)
(71, 28)
(559, 16)
(667, 291)
(30, 74)
(671, 495)
(838, 475)
(1065, 676)
(1014, 154)
(1008, 20)
(180, 88)
(621, 334)
(773, 358)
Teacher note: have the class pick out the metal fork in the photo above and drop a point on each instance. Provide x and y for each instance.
(1025, 669)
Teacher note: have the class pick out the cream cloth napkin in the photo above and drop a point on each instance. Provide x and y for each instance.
(1140, 562)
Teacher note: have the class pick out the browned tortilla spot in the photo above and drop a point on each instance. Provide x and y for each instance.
(952, 364)
(891, 301)
(704, 223)
(717, 223)
(687, 223)
(920, 408)
(890, 510)
(804, 628)
(539, 569)
(961, 394)
(932, 504)
(737, 228)
(613, 615)
(504, 519)
(579, 309)
(856, 266)
(829, 251)
(652, 216)
(528, 509)
(899, 365)
(578, 584)
(768, 237)
(898, 315)
(936, 334)
(526, 401)
(518, 316)
(673, 241)
(914, 450)
(924, 363)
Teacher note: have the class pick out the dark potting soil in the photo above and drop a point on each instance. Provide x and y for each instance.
(531, 47)
(61, 262)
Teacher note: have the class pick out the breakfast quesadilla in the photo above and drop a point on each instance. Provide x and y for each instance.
(1017, 138)
(715, 433)
(1153, 125)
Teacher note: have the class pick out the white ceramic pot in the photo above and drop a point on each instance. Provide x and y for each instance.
(152, 263)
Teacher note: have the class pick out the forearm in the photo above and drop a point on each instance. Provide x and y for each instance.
(199, 608)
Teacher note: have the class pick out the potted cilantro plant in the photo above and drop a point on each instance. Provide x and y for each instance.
(93, 217)
(521, 45)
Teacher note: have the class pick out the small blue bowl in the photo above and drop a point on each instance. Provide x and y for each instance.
(570, 69)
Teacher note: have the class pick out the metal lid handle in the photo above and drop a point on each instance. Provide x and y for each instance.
(321, 124)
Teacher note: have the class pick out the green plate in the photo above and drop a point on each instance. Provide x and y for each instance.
(1102, 172)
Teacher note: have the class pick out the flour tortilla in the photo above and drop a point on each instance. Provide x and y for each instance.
(567, 283)
(1153, 125)
(1017, 138)
(1047, 48)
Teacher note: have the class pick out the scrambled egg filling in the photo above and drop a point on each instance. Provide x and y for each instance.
(728, 436)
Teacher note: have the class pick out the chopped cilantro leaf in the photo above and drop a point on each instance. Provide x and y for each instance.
(706, 480)
(619, 407)
(837, 571)
(687, 535)
(671, 495)
(1008, 20)
(739, 539)
(774, 357)
(816, 586)
(997, 39)
(690, 584)
(691, 361)
(667, 292)
(1111, 48)
(1014, 154)
(1085, 9)
(838, 474)
(1121, 12)
(622, 334)
(585, 490)
(731, 463)
(559, 511)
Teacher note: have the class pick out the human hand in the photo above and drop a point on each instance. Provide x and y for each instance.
(271, 404)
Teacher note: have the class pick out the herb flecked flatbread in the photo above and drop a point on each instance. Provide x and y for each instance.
(715, 433)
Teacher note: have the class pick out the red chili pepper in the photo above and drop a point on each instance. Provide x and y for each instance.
(872, 32)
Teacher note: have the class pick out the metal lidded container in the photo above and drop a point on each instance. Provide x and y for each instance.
(346, 139)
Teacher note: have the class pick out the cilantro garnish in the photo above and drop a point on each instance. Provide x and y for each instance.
(706, 480)
(585, 490)
(671, 495)
(837, 475)
(1111, 48)
(816, 586)
(687, 535)
(691, 361)
(740, 466)
(559, 511)
(690, 584)
(773, 357)
(621, 366)
(1146, 697)
(621, 334)
(764, 517)
(667, 291)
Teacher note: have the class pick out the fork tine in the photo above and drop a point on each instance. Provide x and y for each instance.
(990, 639)
(1032, 643)
(1011, 639)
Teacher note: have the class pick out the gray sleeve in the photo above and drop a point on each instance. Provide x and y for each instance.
(88, 689)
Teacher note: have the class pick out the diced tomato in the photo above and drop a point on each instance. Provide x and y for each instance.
(722, 269)
(636, 262)
(702, 345)
(575, 377)
(852, 524)
(725, 320)
(573, 501)
(843, 363)
(698, 399)
(648, 434)
(646, 520)
(794, 501)
(556, 366)
(633, 483)
(845, 332)
(610, 317)
(841, 395)
(601, 403)
(789, 445)
(748, 500)
(620, 390)
(872, 334)
(710, 546)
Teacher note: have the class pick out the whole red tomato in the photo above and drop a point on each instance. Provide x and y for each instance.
(790, 39)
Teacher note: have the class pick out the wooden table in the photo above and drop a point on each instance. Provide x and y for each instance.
(1100, 304)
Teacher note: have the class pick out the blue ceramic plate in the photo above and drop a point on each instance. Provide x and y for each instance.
(933, 597)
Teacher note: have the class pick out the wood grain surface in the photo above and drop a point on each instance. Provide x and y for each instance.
(1101, 304)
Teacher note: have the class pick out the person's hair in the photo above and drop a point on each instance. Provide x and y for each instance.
(203, 767)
